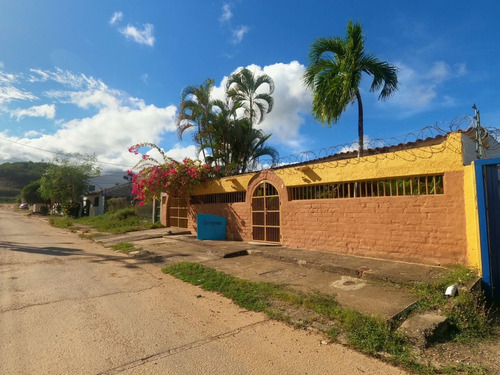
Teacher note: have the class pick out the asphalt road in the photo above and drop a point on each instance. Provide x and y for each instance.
(71, 306)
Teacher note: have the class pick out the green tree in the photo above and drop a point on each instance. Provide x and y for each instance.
(31, 193)
(238, 145)
(66, 180)
(245, 89)
(334, 74)
(224, 131)
(196, 110)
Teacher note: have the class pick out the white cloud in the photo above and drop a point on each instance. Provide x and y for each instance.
(239, 33)
(115, 122)
(116, 17)
(63, 77)
(144, 36)
(226, 13)
(44, 110)
(420, 90)
(32, 134)
(9, 93)
(291, 101)
(179, 153)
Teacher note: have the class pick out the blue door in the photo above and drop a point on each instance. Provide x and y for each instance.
(488, 199)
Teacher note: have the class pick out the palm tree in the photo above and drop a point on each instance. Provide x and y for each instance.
(242, 88)
(237, 144)
(196, 110)
(334, 75)
(248, 145)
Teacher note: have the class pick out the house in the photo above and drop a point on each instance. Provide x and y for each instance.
(94, 202)
(411, 202)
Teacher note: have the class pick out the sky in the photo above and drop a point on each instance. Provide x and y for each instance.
(96, 77)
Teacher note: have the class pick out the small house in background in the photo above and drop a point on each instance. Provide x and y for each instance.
(94, 203)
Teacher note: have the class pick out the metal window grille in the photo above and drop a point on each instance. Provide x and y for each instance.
(391, 187)
(235, 197)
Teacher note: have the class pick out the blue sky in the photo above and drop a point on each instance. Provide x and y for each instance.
(98, 76)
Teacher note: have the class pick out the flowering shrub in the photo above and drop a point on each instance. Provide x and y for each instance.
(176, 178)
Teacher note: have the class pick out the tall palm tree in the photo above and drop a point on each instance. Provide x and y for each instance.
(196, 110)
(242, 88)
(334, 75)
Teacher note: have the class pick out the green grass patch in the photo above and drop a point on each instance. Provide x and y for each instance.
(117, 222)
(124, 247)
(468, 313)
(62, 222)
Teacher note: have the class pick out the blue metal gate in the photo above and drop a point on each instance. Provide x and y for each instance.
(488, 205)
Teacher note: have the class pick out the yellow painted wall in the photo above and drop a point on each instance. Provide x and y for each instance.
(471, 218)
(440, 158)
(225, 185)
(444, 157)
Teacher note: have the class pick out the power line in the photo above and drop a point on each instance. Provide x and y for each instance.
(60, 152)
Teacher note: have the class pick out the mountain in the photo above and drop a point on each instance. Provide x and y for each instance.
(14, 176)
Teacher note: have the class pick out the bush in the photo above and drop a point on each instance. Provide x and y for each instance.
(144, 212)
(117, 204)
(471, 317)
(71, 209)
(123, 214)
(44, 210)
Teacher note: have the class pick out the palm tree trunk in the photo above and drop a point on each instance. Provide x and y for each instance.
(360, 124)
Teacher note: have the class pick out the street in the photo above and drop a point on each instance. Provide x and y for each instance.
(71, 306)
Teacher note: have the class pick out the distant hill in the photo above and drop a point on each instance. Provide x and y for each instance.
(14, 176)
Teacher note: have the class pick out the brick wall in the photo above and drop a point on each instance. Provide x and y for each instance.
(426, 229)
(238, 216)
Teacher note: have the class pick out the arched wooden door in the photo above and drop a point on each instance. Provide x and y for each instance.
(266, 213)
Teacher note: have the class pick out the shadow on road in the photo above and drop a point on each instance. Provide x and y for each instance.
(64, 252)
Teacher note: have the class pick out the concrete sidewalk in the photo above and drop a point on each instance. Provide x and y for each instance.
(372, 286)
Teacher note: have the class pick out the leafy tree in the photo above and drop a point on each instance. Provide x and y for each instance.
(245, 89)
(66, 180)
(196, 110)
(224, 134)
(334, 74)
(31, 193)
(237, 144)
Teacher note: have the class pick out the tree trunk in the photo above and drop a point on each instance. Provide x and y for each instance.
(360, 124)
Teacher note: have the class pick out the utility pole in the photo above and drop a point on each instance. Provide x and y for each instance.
(479, 133)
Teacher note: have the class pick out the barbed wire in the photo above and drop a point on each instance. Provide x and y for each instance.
(376, 147)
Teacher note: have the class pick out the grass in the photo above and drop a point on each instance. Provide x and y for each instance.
(468, 313)
(121, 221)
(370, 335)
(124, 247)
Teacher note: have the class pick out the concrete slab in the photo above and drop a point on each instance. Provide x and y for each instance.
(372, 286)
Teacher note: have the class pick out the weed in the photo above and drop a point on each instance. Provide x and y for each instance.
(467, 313)
(372, 334)
(471, 317)
(124, 247)
(431, 295)
(62, 222)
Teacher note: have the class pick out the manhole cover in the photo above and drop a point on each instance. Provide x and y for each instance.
(348, 283)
